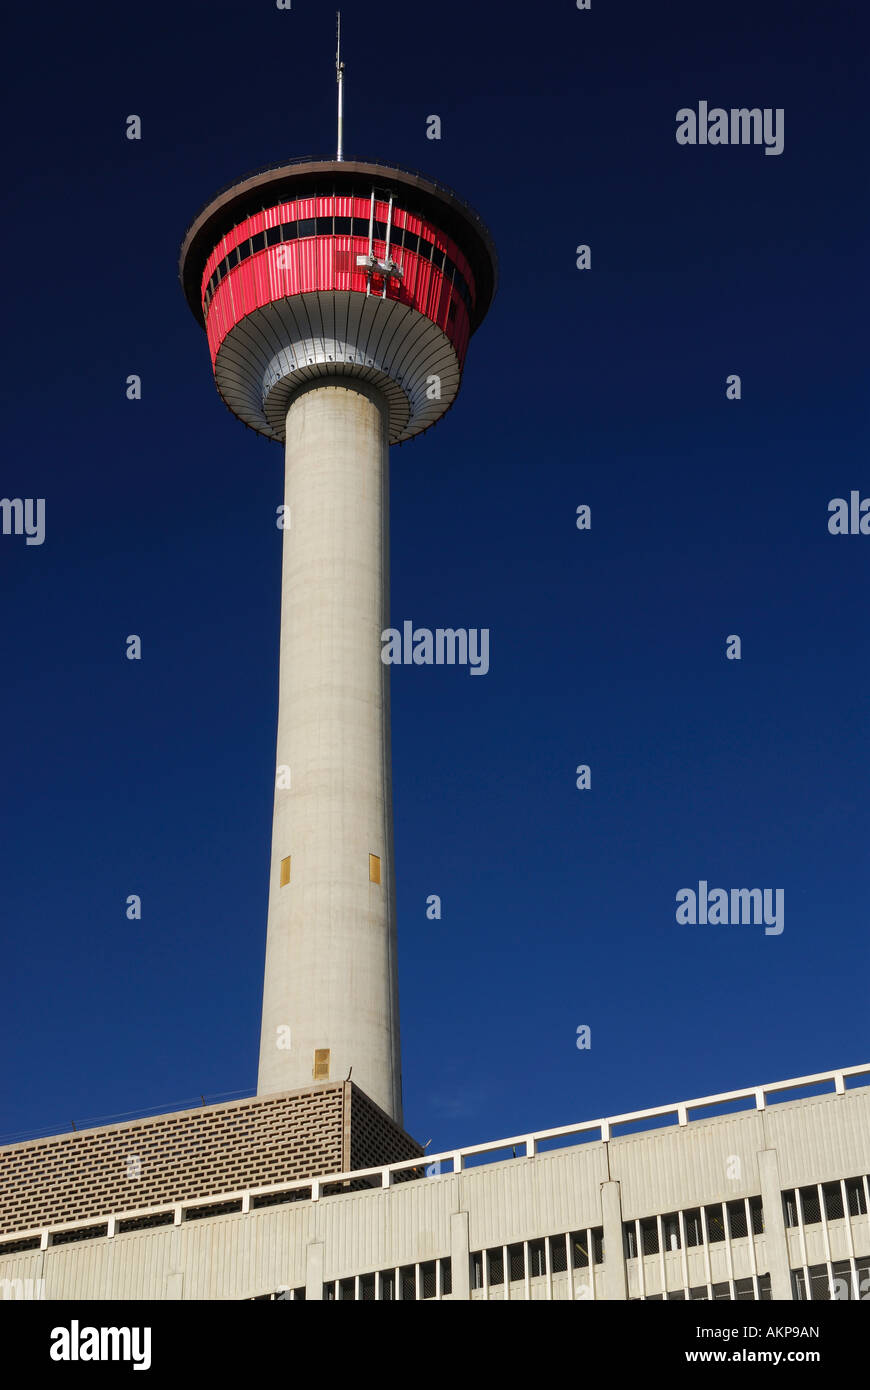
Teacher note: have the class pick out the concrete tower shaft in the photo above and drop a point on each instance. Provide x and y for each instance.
(338, 298)
(330, 984)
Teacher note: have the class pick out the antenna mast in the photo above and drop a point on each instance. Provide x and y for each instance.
(339, 77)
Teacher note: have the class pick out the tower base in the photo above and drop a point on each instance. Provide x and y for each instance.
(119, 1170)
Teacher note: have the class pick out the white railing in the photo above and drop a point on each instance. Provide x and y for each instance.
(453, 1159)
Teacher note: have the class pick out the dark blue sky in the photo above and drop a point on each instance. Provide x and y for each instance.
(605, 387)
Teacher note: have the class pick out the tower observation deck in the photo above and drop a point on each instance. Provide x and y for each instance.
(338, 298)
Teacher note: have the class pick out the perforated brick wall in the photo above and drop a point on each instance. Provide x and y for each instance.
(189, 1154)
(371, 1132)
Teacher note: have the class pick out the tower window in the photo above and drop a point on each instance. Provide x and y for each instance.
(374, 869)
(285, 871)
(321, 1064)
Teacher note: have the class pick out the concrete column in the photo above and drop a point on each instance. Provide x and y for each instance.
(314, 1272)
(775, 1239)
(614, 1276)
(460, 1258)
(331, 980)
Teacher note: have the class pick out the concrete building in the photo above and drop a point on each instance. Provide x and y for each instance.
(767, 1201)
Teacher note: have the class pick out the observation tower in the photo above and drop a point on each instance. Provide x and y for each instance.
(338, 298)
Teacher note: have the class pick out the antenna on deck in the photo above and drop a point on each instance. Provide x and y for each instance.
(339, 77)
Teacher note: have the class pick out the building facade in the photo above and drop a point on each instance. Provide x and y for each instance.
(767, 1201)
